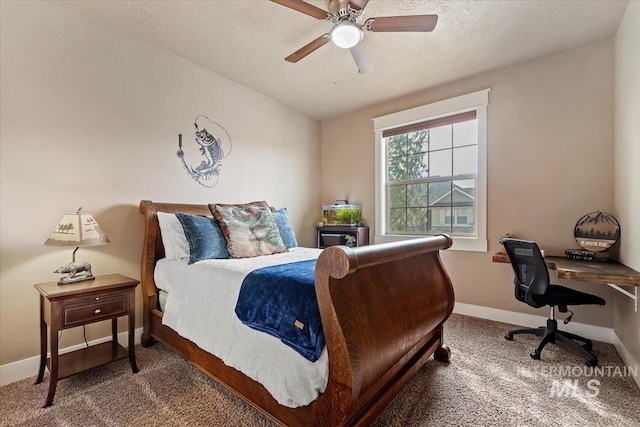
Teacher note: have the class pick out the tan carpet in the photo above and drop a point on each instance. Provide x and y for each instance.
(489, 382)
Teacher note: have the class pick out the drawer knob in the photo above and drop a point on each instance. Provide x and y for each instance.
(97, 298)
(97, 311)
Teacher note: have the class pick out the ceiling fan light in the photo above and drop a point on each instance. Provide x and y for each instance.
(346, 35)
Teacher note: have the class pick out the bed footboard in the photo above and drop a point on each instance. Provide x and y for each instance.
(382, 308)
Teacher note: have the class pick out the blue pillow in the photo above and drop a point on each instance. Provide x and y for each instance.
(286, 231)
(204, 236)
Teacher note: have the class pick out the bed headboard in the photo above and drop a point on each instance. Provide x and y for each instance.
(152, 247)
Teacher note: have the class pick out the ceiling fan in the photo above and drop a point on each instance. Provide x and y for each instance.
(347, 31)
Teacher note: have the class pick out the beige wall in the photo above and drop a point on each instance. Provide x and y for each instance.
(550, 160)
(90, 117)
(626, 188)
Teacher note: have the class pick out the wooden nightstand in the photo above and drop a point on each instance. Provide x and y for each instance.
(66, 306)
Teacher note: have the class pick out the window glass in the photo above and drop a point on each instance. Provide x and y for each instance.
(424, 195)
(440, 137)
(465, 160)
(397, 196)
(418, 194)
(431, 171)
(440, 163)
(465, 133)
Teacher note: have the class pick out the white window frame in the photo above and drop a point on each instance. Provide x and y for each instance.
(477, 101)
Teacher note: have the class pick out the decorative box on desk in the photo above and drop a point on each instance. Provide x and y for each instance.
(335, 235)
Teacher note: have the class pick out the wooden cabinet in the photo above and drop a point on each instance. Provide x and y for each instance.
(67, 306)
(335, 235)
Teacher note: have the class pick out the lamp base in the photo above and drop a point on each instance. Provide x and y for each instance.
(78, 272)
(66, 280)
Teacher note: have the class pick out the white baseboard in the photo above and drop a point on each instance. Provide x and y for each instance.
(597, 333)
(16, 371)
(629, 360)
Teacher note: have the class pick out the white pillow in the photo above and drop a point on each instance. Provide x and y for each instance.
(175, 242)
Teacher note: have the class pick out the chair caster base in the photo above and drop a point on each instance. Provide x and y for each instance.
(508, 337)
(535, 355)
(592, 362)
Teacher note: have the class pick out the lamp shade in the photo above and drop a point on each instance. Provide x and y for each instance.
(346, 35)
(77, 229)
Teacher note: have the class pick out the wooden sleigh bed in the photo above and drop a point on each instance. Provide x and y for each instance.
(382, 309)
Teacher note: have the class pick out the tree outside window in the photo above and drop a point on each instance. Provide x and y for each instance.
(431, 178)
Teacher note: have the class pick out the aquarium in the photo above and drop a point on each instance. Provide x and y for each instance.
(344, 215)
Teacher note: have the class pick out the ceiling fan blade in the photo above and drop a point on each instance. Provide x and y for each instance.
(422, 23)
(362, 59)
(358, 4)
(308, 48)
(304, 7)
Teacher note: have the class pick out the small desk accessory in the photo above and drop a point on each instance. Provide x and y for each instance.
(595, 233)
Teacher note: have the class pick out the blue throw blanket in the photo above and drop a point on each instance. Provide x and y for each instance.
(281, 301)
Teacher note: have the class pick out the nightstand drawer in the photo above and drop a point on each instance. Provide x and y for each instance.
(93, 309)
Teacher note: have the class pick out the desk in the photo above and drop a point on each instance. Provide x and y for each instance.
(611, 273)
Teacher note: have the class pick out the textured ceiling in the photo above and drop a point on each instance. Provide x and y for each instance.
(247, 41)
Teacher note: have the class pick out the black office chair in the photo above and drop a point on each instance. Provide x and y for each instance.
(532, 287)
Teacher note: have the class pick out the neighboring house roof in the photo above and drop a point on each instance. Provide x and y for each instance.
(455, 196)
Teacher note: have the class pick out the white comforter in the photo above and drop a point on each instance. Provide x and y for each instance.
(200, 306)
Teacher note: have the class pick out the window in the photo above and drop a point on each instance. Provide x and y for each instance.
(431, 172)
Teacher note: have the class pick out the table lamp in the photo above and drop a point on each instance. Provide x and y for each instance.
(76, 229)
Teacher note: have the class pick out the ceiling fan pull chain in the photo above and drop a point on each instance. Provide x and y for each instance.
(335, 60)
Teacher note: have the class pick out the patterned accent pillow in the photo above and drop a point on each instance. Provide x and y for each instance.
(204, 236)
(249, 229)
(286, 231)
